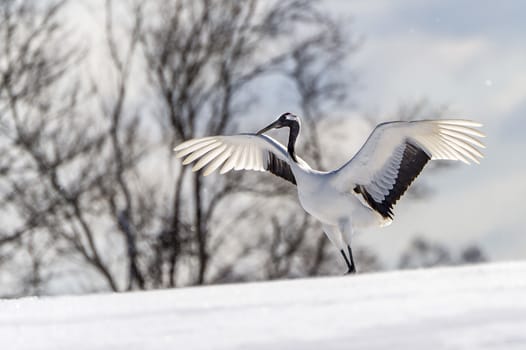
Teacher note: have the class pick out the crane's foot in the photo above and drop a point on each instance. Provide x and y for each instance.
(351, 269)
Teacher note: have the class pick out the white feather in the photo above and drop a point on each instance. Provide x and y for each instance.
(207, 158)
(218, 161)
(192, 142)
(231, 161)
(194, 147)
(200, 152)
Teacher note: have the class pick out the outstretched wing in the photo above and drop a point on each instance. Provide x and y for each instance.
(237, 152)
(396, 152)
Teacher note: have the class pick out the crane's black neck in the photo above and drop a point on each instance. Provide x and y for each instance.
(293, 135)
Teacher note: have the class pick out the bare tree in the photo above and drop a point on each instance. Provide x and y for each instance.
(85, 180)
(201, 57)
(425, 253)
(46, 146)
(116, 188)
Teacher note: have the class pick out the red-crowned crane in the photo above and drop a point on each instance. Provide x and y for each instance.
(364, 190)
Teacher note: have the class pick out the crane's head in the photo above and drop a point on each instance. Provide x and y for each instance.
(286, 119)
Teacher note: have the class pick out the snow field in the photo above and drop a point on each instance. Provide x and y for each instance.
(472, 307)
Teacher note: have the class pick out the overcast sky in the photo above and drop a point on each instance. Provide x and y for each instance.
(470, 55)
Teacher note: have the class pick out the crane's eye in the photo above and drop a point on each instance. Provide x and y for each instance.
(287, 116)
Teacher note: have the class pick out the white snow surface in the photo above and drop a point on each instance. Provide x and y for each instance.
(473, 307)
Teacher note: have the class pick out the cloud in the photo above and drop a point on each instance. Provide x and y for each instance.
(471, 56)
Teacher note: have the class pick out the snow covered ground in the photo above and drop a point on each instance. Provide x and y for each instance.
(475, 307)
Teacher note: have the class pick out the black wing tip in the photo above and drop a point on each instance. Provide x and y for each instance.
(382, 208)
(413, 161)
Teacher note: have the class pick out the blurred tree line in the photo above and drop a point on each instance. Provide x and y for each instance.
(91, 198)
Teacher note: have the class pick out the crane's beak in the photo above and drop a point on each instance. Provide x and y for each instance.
(277, 124)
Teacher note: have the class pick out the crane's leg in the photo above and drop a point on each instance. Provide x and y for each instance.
(352, 268)
(349, 266)
(335, 236)
(346, 228)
